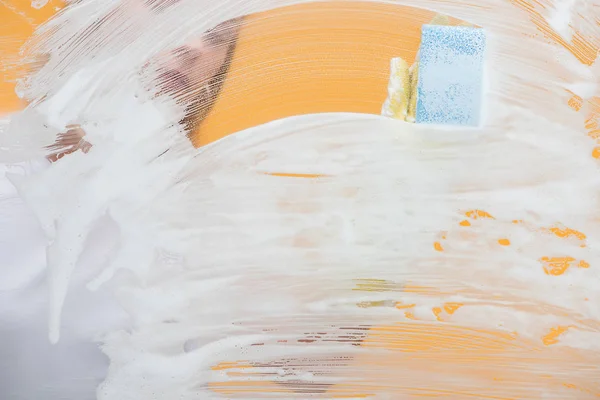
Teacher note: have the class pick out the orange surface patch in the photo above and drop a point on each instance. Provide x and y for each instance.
(552, 337)
(567, 232)
(478, 214)
(399, 305)
(576, 102)
(18, 22)
(451, 308)
(556, 266)
(313, 58)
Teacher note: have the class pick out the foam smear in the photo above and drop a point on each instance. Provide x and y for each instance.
(242, 283)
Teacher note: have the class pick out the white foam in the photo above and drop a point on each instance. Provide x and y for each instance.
(560, 19)
(215, 255)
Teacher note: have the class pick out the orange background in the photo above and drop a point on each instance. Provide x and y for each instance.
(18, 21)
(311, 58)
(321, 57)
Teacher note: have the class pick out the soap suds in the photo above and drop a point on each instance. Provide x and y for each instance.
(242, 283)
(560, 20)
(37, 4)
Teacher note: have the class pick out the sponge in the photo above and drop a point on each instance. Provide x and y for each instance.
(444, 85)
(450, 83)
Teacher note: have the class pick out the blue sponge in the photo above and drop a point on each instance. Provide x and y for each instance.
(450, 85)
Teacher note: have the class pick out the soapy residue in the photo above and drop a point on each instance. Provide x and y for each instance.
(39, 3)
(328, 255)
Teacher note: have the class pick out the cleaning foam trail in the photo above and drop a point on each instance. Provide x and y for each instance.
(450, 75)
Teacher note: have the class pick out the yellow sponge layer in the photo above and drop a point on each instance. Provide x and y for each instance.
(399, 90)
(412, 104)
(401, 102)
